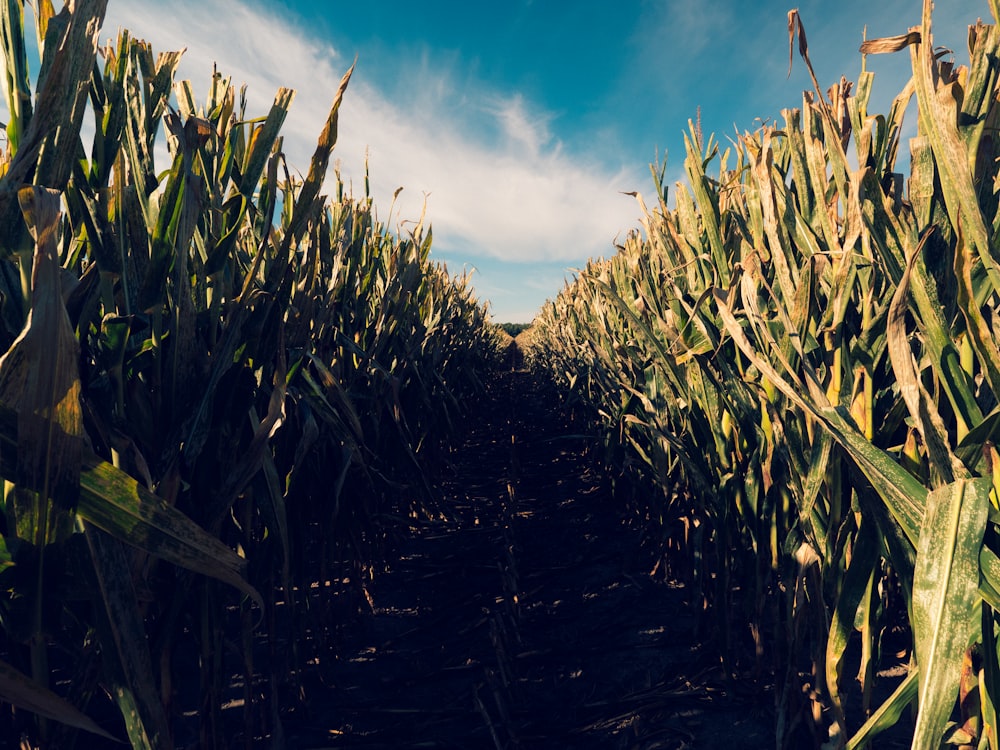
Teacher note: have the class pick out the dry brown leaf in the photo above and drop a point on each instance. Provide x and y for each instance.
(889, 44)
(793, 17)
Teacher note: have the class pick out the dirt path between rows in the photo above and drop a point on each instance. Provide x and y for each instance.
(528, 619)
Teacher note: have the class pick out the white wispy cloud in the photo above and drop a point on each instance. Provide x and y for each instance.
(496, 182)
(527, 132)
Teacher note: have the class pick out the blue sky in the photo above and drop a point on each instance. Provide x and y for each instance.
(523, 122)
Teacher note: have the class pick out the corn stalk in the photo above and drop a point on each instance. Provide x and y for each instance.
(797, 364)
(211, 370)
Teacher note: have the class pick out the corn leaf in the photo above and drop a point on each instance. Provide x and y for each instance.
(124, 646)
(113, 501)
(20, 690)
(888, 713)
(39, 379)
(945, 592)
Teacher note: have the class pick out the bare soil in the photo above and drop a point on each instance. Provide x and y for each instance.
(527, 618)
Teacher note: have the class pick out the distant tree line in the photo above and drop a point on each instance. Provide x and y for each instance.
(514, 328)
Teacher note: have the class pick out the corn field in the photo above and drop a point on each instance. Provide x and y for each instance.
(220, 386)
(795, 367)
(225, 395)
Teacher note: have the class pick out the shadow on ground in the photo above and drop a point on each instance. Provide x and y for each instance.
(527, 619)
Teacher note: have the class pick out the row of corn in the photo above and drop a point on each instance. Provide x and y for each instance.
(796, 366)
(221, 397)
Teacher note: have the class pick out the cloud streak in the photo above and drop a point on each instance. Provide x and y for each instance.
(495, 181)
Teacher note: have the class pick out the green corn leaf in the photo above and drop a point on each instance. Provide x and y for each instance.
(64, 82)
(113, 501)
(305, 207)
(989, 574)
(864, 559)
(261, 142)
(938, 117)
(116, 503)
(46, 149)
(253, 457)
(18, 84)
(903, 495)
(944, 465)
(983, 341)
(888, 713)
(39, 379)
(178, 211)
(20, 690)
(990, 679)
(707, 203)
(234, 213)
(123, 642)
(945, 593)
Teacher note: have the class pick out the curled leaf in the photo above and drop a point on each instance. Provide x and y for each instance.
(889, 44)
